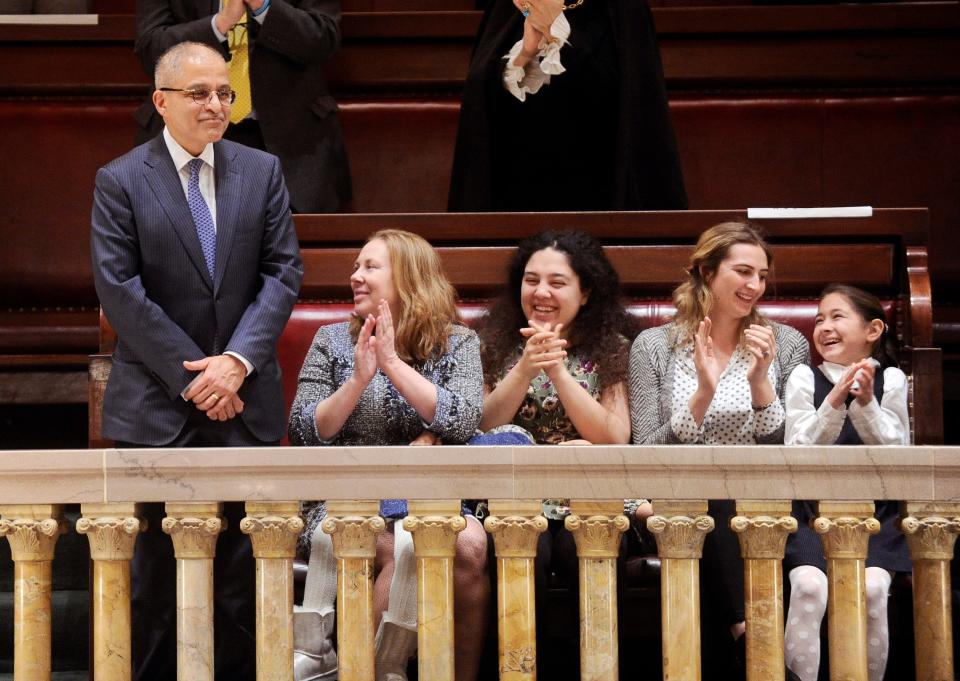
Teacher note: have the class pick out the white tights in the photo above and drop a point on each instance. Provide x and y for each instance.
(808, 603)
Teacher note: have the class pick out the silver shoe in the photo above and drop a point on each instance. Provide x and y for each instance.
(314, 658)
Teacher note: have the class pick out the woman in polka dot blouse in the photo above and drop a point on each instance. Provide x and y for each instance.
(716, 375)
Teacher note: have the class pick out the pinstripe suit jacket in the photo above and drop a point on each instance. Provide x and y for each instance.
(155, 289)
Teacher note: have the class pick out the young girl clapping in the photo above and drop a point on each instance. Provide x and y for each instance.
(856, 396)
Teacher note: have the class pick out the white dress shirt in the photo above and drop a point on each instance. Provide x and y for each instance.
(208, 190)
(883, 423)
(181, 157)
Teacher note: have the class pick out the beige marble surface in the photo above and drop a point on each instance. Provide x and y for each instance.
(52, 476)
(595, 472)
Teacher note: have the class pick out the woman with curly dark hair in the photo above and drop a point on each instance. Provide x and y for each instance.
(555, 353)
(555, 345)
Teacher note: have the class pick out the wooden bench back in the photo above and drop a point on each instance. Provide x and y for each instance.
(885, 254)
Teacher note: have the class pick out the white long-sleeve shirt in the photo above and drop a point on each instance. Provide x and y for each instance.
(883, 423)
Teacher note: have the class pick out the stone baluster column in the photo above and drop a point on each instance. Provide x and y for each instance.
(680, 528)
(931, 530)
(273, 528)
(435, 525)
(845, 528)
(353, 526)
(597, 527)
(763, 527)
(32, 531)
(112, 531)
(515, 526)
(194, 528)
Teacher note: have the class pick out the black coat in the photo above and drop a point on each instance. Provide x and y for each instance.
(598, 136)
(297, 115)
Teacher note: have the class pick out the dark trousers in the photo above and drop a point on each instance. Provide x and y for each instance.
(154, 578)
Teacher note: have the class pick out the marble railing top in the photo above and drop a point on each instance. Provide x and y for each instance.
(598, 472)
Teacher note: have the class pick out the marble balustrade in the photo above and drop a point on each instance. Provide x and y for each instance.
(109, 485)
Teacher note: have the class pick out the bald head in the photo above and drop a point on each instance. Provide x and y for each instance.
(169, 69)
(189, 77)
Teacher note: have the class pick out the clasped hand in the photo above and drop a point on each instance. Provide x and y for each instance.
(375, 345)
(214, 391)
(857, 380)
(543, 351)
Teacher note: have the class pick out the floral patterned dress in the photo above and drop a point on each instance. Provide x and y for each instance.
(542, 414)
(542, 417)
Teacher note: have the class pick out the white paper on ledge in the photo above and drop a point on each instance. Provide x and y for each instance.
(823, 212)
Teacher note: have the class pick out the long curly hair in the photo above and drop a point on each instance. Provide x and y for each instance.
(598, 330)
(426, 298)
(693, 298)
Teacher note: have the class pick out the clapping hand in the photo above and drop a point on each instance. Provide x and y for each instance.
(762, 345)
(364, 355)
(862, 386)
(705, 359)
(383, 341)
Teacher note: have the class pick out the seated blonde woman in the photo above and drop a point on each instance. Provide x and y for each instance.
(403, 371)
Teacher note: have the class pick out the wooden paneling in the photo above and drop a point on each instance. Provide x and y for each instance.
(910, 225)
(643, 270)
(908, 44)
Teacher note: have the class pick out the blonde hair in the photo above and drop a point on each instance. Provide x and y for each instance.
(426, 300)
(693, 298)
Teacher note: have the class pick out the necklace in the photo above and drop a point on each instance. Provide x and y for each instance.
(572, 5)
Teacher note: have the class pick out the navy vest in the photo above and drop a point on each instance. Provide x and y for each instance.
(822, 387)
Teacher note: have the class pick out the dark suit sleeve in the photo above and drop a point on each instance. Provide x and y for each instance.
(155, 339)
(307, 33)
(160, 27)
(255, 336)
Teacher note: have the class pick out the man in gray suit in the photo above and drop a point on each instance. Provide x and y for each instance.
(197, 267)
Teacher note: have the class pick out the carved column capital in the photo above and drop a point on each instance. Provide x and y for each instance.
(112, 529)
(597, 527)
(930, 537)
(32, 530)
(846, 536)
(194, 529)
(434, 536)
(763, 536)
(273, 528)
(515, 536)
(681, 529)
(353, 527)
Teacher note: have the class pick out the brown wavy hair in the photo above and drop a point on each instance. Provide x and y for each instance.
(597, 332)
(693, 298)
(426, 299)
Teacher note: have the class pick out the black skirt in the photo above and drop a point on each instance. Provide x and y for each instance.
(887, 549)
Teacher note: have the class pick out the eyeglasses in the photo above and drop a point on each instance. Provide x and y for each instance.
(202, 95)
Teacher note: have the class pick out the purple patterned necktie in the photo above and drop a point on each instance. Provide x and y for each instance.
(201, 215)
